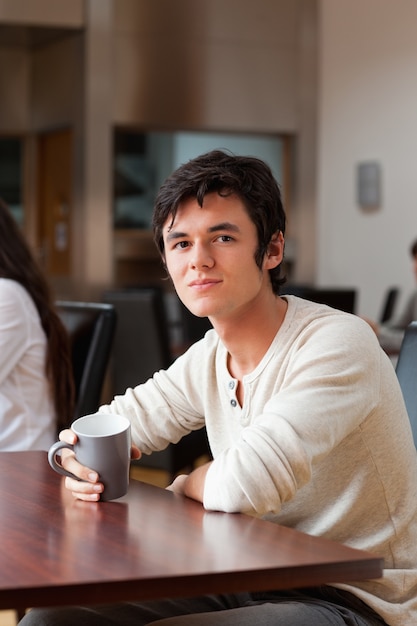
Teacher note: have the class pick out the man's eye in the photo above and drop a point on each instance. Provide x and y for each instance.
(181, 244)
(225, 238)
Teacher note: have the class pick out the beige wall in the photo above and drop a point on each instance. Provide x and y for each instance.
(194, 64)
(95, 262)
(14, 90)
(56, 83)
(368, 111)
(244, 65)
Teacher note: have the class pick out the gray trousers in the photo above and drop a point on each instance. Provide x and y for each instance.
(324, 606)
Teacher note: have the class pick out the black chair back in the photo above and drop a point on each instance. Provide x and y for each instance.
(91, 328)
(194, 328)
(388, 306)
(142, 347)
(141, 343)
(406, 370)
(343, 299)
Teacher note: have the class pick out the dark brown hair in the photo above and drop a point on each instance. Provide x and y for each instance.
(248, 177)
(17, 263)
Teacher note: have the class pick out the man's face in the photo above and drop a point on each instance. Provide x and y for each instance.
(210, 256)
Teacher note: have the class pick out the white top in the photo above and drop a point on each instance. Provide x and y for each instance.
(27, 419)
(391, 334)
(322, 443)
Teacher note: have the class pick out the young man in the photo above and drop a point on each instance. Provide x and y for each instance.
(303, 411)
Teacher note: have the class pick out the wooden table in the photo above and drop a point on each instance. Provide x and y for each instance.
(152, 543)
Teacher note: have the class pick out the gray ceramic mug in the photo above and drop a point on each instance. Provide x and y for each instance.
(103, 445)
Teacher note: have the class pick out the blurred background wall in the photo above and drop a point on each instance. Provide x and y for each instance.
(104, 97)
(367, 114)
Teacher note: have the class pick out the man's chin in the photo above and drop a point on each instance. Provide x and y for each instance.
(199, 309)
(199, 313)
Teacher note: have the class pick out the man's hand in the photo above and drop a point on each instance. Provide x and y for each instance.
(88, 487)
(178, 484)
(191, 485)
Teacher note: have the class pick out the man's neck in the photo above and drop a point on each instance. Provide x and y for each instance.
(248, 337)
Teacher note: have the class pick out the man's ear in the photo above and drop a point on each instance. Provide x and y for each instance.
(275, 252)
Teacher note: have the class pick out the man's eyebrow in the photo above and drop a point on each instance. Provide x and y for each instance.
(175, 234)
(223, 226)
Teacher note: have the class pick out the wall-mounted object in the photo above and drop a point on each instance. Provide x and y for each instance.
(369, 185)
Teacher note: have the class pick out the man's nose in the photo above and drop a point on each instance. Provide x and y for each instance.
(201, 257)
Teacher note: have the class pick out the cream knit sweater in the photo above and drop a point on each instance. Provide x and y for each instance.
(322, 443)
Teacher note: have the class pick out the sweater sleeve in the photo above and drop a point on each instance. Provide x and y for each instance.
(166, 407)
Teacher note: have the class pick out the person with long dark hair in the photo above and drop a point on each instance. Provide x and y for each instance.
(36, 386)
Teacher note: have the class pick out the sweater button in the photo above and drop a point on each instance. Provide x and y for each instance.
(233, 402)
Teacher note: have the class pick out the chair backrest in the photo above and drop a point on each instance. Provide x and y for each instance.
(142, 347)
(388, 305)
(193, 327)
(343, 299)
(406, 370)
(91, 328)
(141, 344)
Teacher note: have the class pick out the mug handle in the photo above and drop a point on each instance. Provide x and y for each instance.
(52, 454)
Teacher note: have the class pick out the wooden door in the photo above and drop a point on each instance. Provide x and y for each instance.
(55, 203)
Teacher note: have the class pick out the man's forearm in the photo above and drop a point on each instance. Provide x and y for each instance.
(195, 481)
(191, 485)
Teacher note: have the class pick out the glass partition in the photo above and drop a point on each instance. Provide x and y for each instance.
(142, 161)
